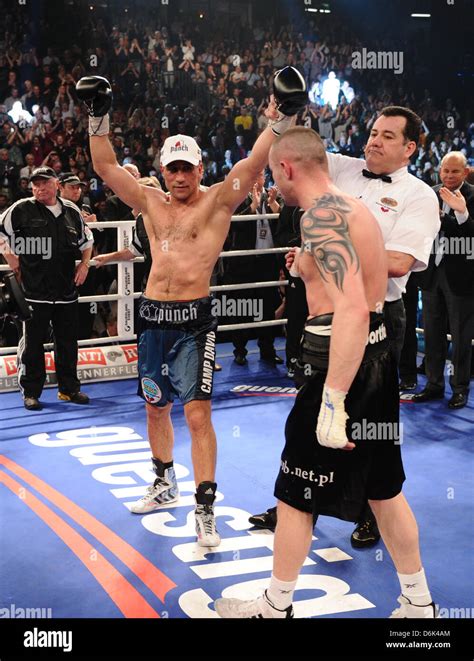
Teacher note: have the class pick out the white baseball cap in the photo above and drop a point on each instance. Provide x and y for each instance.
(180, 148)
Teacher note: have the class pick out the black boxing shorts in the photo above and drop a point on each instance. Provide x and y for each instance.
(321, 480)
(176, 350)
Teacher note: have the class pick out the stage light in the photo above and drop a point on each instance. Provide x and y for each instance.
(18, 113)
(421, 15)
(321, 11)
(330, 90)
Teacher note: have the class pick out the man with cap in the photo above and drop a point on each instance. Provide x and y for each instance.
(72, 188)
(177, 330)
(41, 236)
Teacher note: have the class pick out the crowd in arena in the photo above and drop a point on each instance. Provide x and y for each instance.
(136, 119)
(186, 78)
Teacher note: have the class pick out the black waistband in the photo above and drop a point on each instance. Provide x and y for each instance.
(326, 320)
(317, 336)
(175, 314)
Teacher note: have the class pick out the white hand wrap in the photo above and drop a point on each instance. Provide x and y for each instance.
(280, 125)
(294, 272)
(99, 125)
(331, 427)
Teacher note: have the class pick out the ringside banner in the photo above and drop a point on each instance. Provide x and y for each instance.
(94, 364)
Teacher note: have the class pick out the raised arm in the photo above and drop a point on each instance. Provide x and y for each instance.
(241, 178)
(96, 93)
(290, 98)
(115, 176)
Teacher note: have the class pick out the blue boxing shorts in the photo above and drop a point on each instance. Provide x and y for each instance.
(176, 350)
(321, 480)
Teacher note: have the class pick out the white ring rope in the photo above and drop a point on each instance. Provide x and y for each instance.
(125, 295)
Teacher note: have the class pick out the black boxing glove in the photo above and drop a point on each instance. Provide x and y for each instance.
(289, 91)
(96, 94)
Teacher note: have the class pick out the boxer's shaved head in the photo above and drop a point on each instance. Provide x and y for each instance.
(299, 146)
(295, 156)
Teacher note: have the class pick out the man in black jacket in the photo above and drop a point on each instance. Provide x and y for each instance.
(41, 235)
(71, 188)
(296, 308)
(248, 235)
(115, 209)
(448, 286)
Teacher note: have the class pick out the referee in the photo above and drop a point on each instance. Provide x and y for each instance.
(43, 233)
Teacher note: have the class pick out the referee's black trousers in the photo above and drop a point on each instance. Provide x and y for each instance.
(31, 364)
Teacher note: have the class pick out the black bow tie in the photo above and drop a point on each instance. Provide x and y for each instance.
(372, 175)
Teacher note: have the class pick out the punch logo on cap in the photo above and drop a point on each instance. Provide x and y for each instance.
(180, 148)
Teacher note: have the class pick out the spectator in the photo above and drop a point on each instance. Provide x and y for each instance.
(23, 190)
(71, 188)
(29, 167)
(448, 287)
(10, 100)
(4, 202)
(49, 276)
(287, 234)
(244, 122)
(238, 152)
(188, 50)
(215, 81)
(8, 173)
(251, 236)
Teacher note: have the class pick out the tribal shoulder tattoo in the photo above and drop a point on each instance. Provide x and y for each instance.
(325, 233)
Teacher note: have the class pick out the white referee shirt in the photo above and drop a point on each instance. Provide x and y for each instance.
(407, 211)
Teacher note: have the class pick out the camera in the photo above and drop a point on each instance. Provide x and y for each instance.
(12, 300)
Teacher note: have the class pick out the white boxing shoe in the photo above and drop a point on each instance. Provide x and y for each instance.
(162, 492)
(206, 530)
(409, 610)
(261, 608)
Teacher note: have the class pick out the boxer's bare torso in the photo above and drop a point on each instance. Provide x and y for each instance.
(185, 241)
(186, 228)
(344, 235)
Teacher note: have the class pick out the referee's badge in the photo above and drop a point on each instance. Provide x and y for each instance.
(389, 202)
